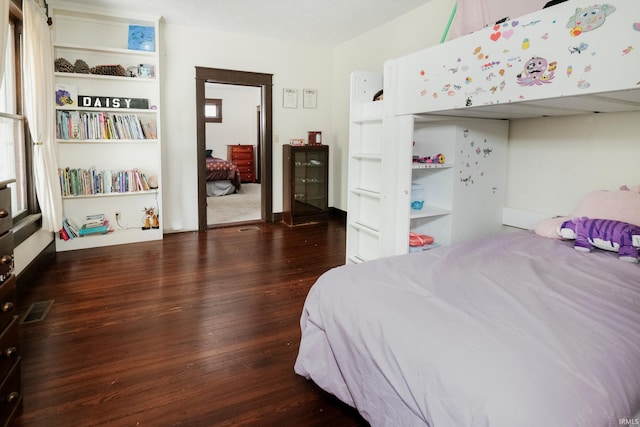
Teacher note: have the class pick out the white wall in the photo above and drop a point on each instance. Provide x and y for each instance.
(293, 65)
(582, 153)
(239, 117)
(553, 162)
(408, 33)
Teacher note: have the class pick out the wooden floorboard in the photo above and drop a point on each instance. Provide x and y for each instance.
(199, 329)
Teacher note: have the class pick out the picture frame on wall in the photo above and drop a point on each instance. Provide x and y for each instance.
(141, 38)
(290, 98)
(310, 98)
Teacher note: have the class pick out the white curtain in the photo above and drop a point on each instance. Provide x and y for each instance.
(39, 100)
(4, 28)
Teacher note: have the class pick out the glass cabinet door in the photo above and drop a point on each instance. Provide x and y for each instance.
(310, 181)
(305, 183)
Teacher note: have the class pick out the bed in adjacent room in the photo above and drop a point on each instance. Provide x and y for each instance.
(509, 330)
(223, 177)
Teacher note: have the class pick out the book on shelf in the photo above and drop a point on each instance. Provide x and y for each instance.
(88, 125)
(94, 220)
(98, 229)
(66, 95)
(87, 182)
(141, 38)
(146, 70)
(69, 230)
(64, 235)
(94, 224)
(72, 226)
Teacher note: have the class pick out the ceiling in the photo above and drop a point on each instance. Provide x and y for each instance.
(321, 22)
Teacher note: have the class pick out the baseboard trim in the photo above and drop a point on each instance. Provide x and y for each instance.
(338, 213)
(333, 212)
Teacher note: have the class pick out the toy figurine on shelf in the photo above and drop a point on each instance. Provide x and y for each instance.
(150, 219)
(436, 158)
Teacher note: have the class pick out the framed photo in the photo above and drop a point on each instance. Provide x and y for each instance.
(290, 98)
(146, 70)
(310, 98)
(141, 38)
(66, 95)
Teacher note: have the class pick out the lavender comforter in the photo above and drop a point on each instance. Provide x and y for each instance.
(511, 330)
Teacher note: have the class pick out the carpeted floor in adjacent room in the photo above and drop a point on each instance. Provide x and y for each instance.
(241, 206)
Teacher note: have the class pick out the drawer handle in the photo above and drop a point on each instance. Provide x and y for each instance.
(13, 396)
(4, 213)
(10, 352)
(7, 306)
(6, 260)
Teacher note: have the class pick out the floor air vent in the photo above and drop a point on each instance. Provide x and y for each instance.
(250, 228)
(37, 312)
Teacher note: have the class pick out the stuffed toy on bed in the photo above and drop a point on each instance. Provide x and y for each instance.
(616, 236)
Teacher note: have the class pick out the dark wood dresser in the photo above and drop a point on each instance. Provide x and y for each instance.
(242, 155)
(10, 390)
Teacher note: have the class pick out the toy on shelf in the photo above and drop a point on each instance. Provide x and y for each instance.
(421, 242)
(436, 158)
(150, 219)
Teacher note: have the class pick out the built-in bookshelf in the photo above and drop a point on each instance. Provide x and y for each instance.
(107, 117)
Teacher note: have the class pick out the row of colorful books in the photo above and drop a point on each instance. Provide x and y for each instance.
(86, 182)
(92, 224)
(84, 125)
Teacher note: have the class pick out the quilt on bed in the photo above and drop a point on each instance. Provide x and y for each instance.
(512, 330)
(220, 169)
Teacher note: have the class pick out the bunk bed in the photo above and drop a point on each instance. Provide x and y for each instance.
(511, 329)
(573, 58)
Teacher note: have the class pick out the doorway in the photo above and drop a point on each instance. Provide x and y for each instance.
(264, 144)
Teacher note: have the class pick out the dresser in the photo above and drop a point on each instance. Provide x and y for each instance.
(243, 157)
(10, 390)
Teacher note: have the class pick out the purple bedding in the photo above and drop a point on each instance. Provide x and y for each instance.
(511, 330)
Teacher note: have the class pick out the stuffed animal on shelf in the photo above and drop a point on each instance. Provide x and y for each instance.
(436, 158)
(150, 219)
(610, 235)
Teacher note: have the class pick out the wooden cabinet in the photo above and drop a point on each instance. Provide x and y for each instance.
(305, 183)
(10, 382)
(243, 157)
(107, 122)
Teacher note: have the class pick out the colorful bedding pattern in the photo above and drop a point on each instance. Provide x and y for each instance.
(220, 169)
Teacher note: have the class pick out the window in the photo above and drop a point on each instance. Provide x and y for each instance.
(15, 150)
(213, 110)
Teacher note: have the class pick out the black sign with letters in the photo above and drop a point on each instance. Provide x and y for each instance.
(112, 102)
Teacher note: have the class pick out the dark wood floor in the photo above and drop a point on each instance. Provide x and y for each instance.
(200, 329)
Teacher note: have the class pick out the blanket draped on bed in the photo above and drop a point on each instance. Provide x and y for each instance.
(512, 330)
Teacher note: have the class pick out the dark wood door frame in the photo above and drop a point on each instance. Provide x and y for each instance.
(241, 78)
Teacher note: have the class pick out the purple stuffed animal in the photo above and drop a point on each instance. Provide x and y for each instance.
(606, 234)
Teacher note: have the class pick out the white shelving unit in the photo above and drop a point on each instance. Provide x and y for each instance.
(366, 153)
(463, 197)
(100, 37)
